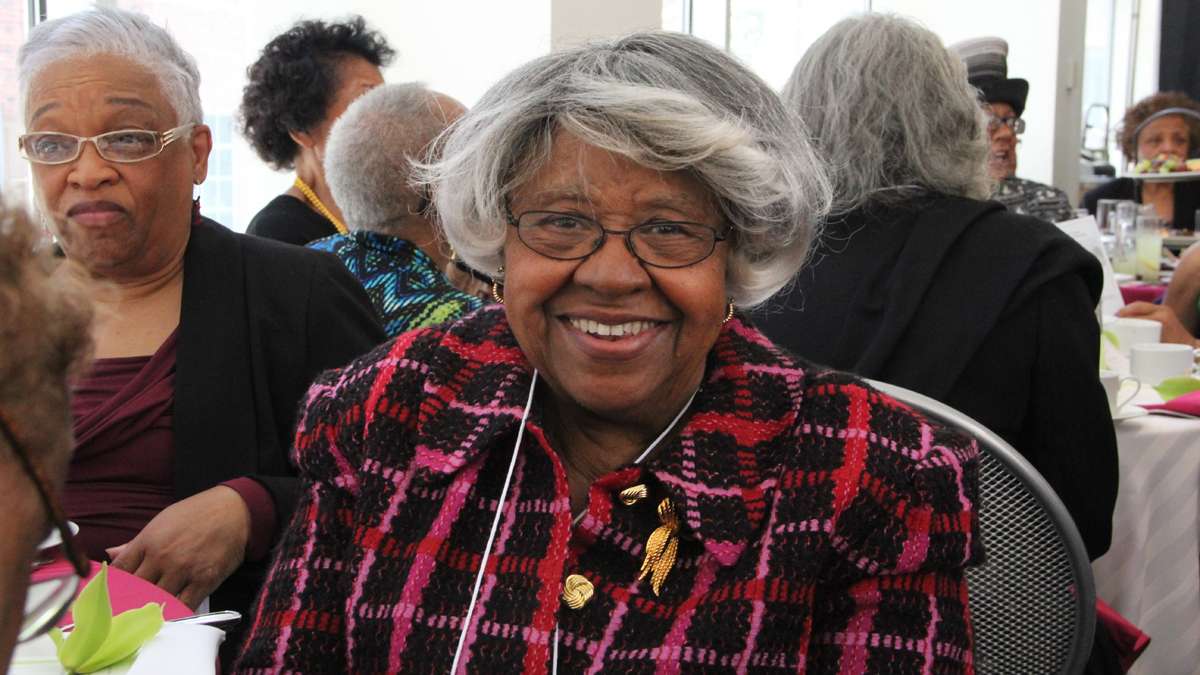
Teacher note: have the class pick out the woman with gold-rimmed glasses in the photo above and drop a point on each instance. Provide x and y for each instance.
(205, 339)
(43, 341)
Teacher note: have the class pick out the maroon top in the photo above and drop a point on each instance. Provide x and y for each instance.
(122, 475)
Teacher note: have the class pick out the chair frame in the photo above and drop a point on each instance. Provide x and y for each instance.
(1036, 485)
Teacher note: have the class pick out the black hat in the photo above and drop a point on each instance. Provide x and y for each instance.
(987, 71)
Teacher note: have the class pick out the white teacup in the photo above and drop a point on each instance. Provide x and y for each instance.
(1153, 363)
(1130, 331)
(1112, 382)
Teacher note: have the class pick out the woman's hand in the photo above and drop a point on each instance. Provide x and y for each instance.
(191, 546)
(1172, 328)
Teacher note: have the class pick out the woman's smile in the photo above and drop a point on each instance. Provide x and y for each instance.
(613, 339)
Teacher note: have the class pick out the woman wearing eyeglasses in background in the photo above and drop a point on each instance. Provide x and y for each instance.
(205, 339)
(611, 470)
(44, 340)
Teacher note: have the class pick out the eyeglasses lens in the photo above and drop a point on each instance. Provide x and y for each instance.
(118, 146)
(661, 244)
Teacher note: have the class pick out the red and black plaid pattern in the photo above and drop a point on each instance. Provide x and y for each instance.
(823, 526)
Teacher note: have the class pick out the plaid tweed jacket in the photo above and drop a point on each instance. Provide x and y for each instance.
(823, 527)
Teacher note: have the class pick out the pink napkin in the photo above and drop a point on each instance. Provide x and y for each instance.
(1188, 404)
(1132, 293)
(125, 591)
(1127, 638)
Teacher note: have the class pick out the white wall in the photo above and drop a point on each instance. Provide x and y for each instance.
(1068, 96)
(573, 22)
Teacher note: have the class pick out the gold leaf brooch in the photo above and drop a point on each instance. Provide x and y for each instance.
(661, 547)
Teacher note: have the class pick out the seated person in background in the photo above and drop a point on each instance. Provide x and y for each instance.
(393, 244)
(632, 190)
(303, 80)
(920, 283)
(1163, 124)
(205, 339)
(44, 340)
(987, 71)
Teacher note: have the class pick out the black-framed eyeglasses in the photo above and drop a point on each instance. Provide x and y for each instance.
(1016, 124)
(124, 145)
(658, 243)
(48, 598)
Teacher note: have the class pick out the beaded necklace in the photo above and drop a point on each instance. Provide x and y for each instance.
(320, 206)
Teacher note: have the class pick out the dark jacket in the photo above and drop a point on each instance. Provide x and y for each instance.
(289, 220)
(259, 321)
(1186, 197)
(990, 312)
(809, 508)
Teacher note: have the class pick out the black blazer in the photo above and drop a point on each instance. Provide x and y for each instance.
(985, 310)
(260, 320)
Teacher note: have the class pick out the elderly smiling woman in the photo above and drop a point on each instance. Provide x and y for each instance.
(205, 339)
(611, 471)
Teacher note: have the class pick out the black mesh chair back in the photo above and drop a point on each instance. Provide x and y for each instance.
(1033, 601)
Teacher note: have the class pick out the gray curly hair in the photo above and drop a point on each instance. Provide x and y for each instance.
(667, 101)
(369, 152)
(105, 30)
(892, 112)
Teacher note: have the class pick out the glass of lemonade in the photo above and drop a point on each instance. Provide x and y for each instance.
(1123, 238)
(1149, 244)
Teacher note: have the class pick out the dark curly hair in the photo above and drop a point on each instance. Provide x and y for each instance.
(1147, 107)
(294, 80)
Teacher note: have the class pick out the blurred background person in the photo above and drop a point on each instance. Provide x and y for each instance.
(44, 341)
(394, 246)
(987, 70)
(205, 339)
(919, 282)
(1166, 124)
(297, 88)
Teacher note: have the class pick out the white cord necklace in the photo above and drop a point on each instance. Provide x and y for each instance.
(487, 551)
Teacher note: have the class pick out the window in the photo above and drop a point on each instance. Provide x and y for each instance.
(769, 36)
(433, 43)
(14, 171)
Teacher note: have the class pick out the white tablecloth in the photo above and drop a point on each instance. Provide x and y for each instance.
(1151, 575)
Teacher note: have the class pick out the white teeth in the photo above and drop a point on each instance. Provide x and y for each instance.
(626, 329)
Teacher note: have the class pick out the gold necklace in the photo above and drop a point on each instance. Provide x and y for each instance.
(319, 205)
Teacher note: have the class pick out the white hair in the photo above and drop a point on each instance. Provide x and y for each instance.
(370, 150)
(891, 110)
(667, 101)
(105, 30)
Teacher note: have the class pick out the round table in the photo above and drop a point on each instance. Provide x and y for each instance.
(1151, 573)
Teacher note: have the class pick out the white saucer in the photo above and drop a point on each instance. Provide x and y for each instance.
(1128, 412)
(54, 539)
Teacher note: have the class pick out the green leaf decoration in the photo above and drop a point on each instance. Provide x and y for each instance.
(1174, 387)
(1112, 339)
(93, 619)
(130, 630)
(99, 639)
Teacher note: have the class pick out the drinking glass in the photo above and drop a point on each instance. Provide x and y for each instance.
(1106, 211)
(1123, 260)
(1149, 245)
